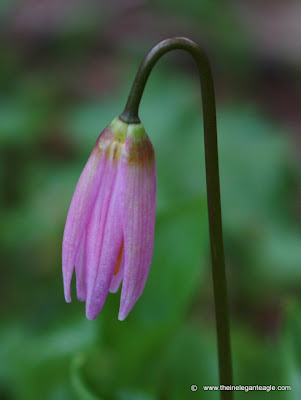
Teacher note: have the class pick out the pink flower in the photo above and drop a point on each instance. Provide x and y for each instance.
(109, 232)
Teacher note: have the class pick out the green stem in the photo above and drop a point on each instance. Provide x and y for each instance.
(130, 115)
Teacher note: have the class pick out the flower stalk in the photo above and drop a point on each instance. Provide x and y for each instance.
(130, 115)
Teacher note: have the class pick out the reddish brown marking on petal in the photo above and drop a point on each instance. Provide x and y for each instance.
(115, 152)
(103, 141)
(119, 259)
(141, 152)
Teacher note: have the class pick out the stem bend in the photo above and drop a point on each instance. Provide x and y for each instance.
(130, 115)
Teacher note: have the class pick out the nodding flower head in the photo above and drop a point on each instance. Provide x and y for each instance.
(109, 232)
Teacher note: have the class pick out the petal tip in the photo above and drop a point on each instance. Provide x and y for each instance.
(68, 297)
(81, 297)
(121, 317)
(67, 291)
(91, 318)
(92, 310)
(90, 313)
(123, 314)
(113, 290)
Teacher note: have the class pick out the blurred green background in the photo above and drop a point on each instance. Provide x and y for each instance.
(66, 69)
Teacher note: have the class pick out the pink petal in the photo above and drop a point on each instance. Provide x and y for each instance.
(116, 280)
(80, 270)
(104, 239)
(81, 206)
(138, 207)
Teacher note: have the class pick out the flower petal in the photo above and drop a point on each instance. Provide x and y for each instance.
(80, 271)
(116, 280)
(104, 239)
(81, 206)
(138, 207)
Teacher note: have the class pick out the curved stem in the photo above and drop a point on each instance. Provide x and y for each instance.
(130, 115)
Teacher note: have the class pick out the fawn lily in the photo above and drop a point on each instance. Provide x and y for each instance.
(109, 232)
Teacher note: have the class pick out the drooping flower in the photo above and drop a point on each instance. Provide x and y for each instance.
(109, 232)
